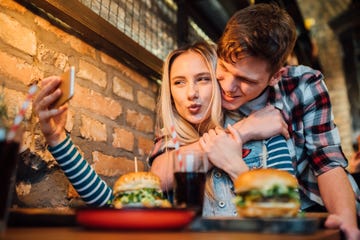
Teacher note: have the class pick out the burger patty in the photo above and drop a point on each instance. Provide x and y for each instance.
(274, 194)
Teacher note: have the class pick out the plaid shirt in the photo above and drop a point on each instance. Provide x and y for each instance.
(314, 144)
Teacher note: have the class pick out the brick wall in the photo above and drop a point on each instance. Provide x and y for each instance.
(111, 117)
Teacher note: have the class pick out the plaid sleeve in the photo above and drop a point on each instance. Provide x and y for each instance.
(322, 138)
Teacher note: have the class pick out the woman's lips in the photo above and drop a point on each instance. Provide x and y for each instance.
(194, 108)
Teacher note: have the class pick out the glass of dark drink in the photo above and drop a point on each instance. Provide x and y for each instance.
(8, 164)
(189, 179)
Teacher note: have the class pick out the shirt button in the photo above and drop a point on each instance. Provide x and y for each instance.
(235, 213)
(217, 174)
(221, 204)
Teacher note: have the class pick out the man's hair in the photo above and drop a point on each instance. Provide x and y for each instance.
(261, 30)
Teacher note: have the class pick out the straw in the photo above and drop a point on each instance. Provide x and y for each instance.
(176, 143)
(20, 116)
(174, 138)
(136, 165)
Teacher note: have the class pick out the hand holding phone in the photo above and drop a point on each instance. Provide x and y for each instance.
(67, 87)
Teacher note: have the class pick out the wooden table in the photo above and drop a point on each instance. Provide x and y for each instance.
(77, 233)
(53, 224)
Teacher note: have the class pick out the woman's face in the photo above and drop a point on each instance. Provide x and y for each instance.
(191, 87)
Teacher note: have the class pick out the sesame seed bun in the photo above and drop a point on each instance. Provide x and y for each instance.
(259, 181)
(264, 179)
(135, 181)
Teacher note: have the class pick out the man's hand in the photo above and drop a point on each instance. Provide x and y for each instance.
(262, 124)
(351, 232)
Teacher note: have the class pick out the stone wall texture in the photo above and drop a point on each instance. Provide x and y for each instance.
(110, 119)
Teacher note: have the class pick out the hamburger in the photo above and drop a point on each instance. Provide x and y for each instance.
(138, 189)
(266, 193)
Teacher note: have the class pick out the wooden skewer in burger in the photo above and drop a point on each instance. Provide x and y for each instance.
(266, 193)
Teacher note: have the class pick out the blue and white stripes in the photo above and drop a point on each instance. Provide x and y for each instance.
(91, 188)
(279, 155)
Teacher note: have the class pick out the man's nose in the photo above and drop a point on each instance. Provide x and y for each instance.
(228, 84)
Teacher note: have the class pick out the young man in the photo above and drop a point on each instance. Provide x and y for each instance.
(252, 52)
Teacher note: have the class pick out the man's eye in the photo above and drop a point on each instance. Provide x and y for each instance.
(204, 79)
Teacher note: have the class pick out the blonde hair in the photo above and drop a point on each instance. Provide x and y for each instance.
(167, 115)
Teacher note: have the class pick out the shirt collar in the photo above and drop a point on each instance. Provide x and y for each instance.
(256, 104)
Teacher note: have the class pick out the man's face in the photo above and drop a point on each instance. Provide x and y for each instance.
(243, 81)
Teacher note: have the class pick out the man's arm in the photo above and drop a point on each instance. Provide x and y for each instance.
(262, 124)
(339, 200)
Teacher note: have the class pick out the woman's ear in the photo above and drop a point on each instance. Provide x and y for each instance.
(276, 77)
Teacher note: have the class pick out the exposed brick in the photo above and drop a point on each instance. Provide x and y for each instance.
(9, 32)
(75, 43)
(92, 129)
(23, 189)
(13, 101)
(91, 72)
(82, 47)
(111, 61)
(13, 6)
(113, 166)
(139, 121)
(69, 120)
(72, 193)
(123, 89)
(18, 69)
(144, 145)
(123, 139)
(125, 70)
(89, 99)
(146, 100)
(52, 57)
(154, 87)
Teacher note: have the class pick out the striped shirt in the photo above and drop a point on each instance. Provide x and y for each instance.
(91, 188)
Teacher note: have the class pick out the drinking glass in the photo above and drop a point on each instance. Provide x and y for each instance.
(8, 165)
(189, 179)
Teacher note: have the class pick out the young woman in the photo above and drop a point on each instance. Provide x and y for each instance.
(189, 103)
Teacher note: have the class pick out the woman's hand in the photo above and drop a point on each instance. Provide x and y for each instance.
(52, 121)
(224, 150)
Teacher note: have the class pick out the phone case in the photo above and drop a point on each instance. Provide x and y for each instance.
(67, 87)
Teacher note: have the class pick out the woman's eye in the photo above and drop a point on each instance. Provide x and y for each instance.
(178, 82)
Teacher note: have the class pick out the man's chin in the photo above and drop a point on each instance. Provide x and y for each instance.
(230, 105)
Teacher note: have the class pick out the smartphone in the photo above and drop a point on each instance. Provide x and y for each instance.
(67, 87)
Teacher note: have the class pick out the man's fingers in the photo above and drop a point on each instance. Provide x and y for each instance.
(332, 221)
